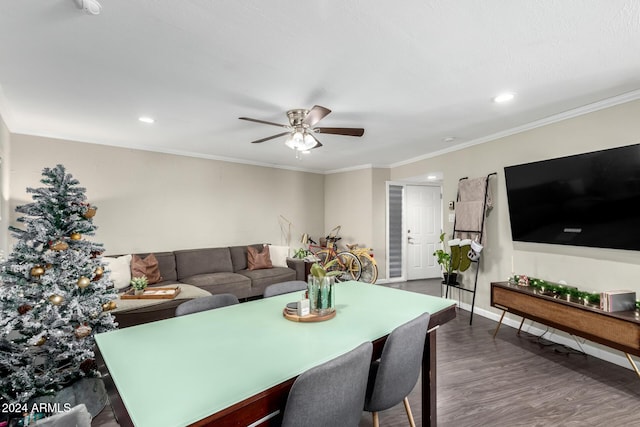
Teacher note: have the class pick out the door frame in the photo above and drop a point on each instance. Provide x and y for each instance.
(404, 184)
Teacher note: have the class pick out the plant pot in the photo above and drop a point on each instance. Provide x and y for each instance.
(450, 278)
(138, 291)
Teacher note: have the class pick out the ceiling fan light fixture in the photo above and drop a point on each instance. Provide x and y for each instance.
(300, 141)
(309, 142)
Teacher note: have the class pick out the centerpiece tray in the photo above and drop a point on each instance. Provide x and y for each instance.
(308, 317)
(153, 293)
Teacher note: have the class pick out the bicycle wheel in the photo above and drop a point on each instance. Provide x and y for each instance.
(349, 266)
(369, 269)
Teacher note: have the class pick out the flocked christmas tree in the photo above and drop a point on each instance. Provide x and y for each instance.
(54, 295)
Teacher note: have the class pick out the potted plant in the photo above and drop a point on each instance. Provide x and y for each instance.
(302, 253)
(139, 284)
(320, 287)
(445, 261)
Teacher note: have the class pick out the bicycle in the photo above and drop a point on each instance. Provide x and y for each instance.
(347, 263)
(369, 264)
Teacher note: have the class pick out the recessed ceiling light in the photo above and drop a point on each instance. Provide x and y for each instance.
(146, 119)
(431, 177)
(448, 139)
(504, 97)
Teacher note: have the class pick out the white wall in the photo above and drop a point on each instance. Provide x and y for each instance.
(155, 202)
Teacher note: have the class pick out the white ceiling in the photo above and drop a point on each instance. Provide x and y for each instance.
(410, 72)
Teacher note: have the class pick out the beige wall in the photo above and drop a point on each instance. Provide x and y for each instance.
(347, 202)
(589, 269)
(379, 219)
(154, 202)
(356, 200)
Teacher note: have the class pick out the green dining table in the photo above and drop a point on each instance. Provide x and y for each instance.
(235, 365)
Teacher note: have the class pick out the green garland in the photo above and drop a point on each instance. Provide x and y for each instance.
(543, 285)
(591, 298)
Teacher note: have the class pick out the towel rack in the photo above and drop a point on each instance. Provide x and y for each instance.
(479, 233)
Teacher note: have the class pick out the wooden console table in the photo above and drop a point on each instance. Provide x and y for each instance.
(619, 330)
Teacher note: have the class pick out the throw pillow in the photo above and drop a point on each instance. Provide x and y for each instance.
(279, 255)
(120, 270)
(258, 260)
(146, 267)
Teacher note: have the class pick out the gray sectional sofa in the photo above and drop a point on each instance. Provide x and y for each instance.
(214, 270)
(220, 270)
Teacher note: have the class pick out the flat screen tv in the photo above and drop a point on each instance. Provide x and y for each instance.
(590, 199)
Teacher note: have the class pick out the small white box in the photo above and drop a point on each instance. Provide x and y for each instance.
(303, 307)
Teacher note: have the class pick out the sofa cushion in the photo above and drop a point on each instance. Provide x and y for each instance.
(279, 255)
(147, 266)
(257, 259)
(166, 264)
(192, 262)
(239, 256)
(222, 283)
(120, 270)
(260, 279)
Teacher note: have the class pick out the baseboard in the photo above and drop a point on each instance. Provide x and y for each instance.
(530, 327)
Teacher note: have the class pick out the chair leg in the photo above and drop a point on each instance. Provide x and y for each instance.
(376, 421)
(409, 414)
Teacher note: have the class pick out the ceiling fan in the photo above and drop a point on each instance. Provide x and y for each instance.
(301, 128)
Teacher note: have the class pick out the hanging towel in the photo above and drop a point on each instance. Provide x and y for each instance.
(472, 190)
(469, 216)
(469, 211)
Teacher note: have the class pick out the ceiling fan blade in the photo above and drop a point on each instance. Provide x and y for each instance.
(263, 122)
(316, 114)
(270, 137)
(341, 131)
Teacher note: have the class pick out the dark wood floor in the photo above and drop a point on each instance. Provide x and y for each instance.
(518, 380)
(511, 381)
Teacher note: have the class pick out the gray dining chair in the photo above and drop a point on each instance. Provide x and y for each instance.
(331, 394)
(206, 303)
(284, 288)
(395, 374)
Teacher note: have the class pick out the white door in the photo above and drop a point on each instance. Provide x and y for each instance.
(424, 219)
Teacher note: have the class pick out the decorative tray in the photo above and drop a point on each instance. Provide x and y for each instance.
(153, 293)
(309, 317)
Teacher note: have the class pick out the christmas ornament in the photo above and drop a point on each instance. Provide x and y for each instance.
(111, 305)
(82, 331)
(24, 308)
(98, 273)
(75, 236)
(37, 271)
(59, 245)
(56, 299)
(90, 213)
(41, 341)
(83, 282)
